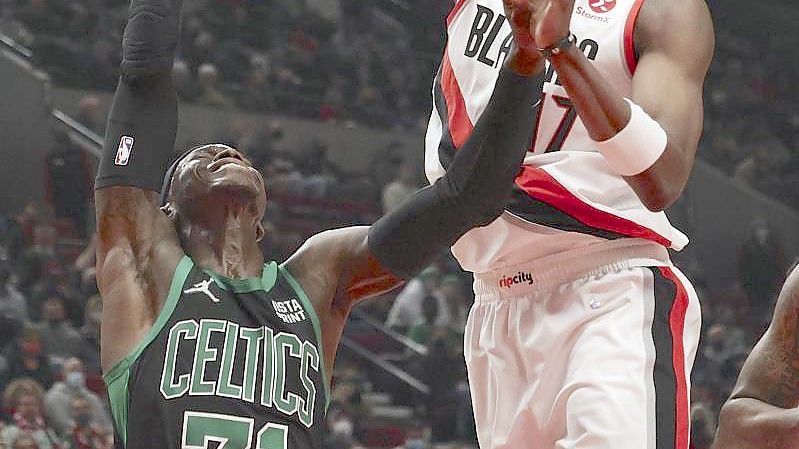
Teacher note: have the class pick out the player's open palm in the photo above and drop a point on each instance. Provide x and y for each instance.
(521, 17)
(552, 22)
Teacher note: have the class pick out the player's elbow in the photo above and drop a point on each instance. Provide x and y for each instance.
(732, 419)
(660, 200)
(745, 424)
(657, 195)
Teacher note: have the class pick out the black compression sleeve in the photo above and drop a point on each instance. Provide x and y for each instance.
(140, 136)
(142, 124)
(475, 188)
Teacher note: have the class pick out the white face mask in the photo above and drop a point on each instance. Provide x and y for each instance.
(415, 443)
(75, 379)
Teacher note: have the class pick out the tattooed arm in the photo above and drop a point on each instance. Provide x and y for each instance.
(762, 413)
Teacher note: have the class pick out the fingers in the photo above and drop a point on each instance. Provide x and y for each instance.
(563, 5)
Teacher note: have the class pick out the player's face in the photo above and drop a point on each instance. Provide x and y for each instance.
(213, 169)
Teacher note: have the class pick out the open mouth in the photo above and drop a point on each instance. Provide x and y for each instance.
(218, 164)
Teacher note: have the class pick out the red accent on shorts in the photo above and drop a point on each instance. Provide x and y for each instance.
(677, 326)
(460, 125)
(542, 186)
(629, 36)
(458, 5)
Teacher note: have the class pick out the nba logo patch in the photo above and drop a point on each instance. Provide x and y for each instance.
(123, 151)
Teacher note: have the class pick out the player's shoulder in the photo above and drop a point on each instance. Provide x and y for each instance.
(327, 248)
(790, 291)
(659, 18)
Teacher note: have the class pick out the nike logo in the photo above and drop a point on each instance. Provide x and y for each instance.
(203, 287)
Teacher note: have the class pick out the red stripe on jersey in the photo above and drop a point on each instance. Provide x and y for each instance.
(629, 36)
(677, 326)
(543, 187)
(458, 5)
(460, 125)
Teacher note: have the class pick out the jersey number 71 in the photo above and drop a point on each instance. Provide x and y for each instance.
(231, 432)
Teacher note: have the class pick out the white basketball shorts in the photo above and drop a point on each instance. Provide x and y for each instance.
(583, 351)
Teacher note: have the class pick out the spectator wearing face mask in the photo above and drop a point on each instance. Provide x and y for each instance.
(24, 398)
(60, 339)
(58, 402)
(84, 432)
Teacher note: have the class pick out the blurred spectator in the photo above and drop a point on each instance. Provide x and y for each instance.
(24, 441)
(407, 308)
(703, 426)
(69, 180)
(184, 84)
(443, 368)
(90, 333)
(11, 238)
(422, 332)
(84, 431)
(12, 303)
(209, 93)
(89, 114)
(26, 358)
(761, 268)
(318, 173)
(340, 430)
(450, 293)
(60, 339)
(402, 187)
(58, 402)
(24, 397)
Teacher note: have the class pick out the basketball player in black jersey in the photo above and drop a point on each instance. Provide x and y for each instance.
(205, 345)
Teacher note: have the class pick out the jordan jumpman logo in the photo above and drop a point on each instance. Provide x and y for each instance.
(203, 287)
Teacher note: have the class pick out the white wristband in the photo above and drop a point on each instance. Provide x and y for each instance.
(637, 146)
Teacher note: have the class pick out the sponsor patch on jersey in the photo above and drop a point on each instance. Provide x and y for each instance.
(289, 311)
(601, 6)
(123, 150)
(521, 277)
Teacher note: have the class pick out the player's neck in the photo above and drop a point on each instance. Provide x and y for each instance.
(225, 243)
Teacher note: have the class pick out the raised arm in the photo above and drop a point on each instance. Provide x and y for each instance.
(762, 413)
(347, 265)
(651, 138)
(137, 247)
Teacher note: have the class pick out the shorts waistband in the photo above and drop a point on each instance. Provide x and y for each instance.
(548, 272)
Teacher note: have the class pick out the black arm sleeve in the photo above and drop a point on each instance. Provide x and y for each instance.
(142, 124)
(475, 188)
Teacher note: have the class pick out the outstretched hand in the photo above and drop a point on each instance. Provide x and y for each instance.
(538, 23)
(553, 22)
(526, 59)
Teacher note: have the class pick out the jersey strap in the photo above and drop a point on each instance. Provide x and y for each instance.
(309, 309)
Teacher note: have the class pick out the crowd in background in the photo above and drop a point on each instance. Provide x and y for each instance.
(356, 61)
(371, 65)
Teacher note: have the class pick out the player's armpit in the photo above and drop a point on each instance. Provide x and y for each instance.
(137, 252)
(676, 43)
(762, 410)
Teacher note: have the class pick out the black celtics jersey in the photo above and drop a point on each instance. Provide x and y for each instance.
(228, 363)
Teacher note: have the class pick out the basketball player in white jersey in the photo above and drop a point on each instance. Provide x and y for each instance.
(583, 333)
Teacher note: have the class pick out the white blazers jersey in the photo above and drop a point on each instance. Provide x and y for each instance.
(566, 196)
